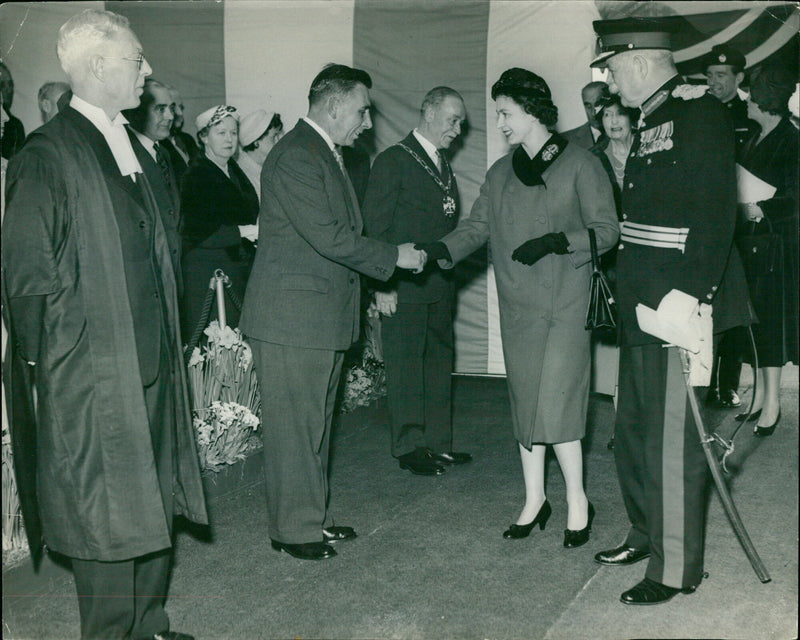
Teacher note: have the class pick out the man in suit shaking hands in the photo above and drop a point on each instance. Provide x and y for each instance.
(412, 194)
(301, 308)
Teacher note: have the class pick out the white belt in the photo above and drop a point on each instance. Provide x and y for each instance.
(654, 236)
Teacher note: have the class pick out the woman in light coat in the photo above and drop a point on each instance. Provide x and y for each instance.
(535, 209)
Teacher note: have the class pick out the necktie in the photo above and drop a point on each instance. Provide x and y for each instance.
(441, 163)
(163, 164)
(339, 159)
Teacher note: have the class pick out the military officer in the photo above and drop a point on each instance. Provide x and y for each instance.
(725, 73)
(678, 206)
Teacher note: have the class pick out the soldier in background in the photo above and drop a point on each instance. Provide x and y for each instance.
(725, 73)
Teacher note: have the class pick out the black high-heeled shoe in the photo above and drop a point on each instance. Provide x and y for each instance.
(522, 530)
(767, 431)
(580, 537)
(741, 417)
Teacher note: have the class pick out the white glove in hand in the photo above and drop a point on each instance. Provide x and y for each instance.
(682, 321)
(249, 232)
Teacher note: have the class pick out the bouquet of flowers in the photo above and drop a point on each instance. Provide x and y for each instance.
(226, 403)
(364, 379)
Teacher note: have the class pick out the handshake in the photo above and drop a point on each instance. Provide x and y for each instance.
(414, 256)
(409, 257)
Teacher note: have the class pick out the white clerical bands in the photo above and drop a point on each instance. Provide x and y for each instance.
(654, 236)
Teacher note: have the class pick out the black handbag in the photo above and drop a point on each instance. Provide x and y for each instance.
(761, 253)
(602, 310)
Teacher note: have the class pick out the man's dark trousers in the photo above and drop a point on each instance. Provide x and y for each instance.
(661, 465)
(120, 598)
(418, 351)
(297, 406)
(728, 360)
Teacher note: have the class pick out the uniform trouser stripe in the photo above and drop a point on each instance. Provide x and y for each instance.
(672, 470)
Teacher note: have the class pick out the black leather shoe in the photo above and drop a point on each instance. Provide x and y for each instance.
(335, 534)
(172, 635)
(651, 592)
(621, 555)
(576, 538)
(741, 417)
(451, 457)
(729, 399)
(306, 550)
(516, 531)
(767, 431)
(421, 463)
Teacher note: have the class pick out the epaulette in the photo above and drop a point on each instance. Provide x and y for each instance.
(689, 91)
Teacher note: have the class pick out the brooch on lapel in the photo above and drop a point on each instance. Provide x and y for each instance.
(656, 139)
(549, 152)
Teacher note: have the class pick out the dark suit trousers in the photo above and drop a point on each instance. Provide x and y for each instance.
(661, 465)
(418, 351)
(126, 599)
(297, 401)
(732, 344)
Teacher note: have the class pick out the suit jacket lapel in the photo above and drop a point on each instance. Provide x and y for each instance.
(321, 147)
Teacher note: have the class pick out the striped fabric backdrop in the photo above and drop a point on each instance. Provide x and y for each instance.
(263, 54)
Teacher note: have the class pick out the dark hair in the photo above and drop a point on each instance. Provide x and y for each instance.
(771, 86)
(614, 100)
(436, 96)
(597, 84)
(138, 115)
(275, 123)
(336, 80)
(530, 92)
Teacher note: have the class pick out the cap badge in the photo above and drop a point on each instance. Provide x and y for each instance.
(722, 57)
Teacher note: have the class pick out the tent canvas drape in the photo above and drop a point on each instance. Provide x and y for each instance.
(263, 54)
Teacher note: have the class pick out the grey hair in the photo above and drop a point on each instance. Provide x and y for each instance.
(47, 90)
(436, 96)
(83, 34)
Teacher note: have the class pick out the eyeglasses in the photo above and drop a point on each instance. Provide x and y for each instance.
(139, 60)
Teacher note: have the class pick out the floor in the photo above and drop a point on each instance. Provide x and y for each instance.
(430, 562)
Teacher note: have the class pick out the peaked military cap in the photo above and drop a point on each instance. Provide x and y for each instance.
(725, 54)
(628, 34)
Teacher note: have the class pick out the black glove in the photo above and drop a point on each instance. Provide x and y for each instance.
(435, 250)
(532, 251)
